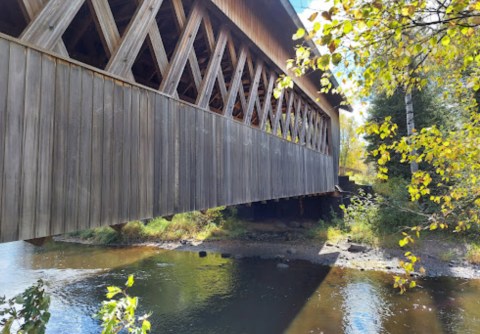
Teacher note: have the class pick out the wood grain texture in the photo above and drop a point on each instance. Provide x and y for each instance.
(47, 28)
(81, 149)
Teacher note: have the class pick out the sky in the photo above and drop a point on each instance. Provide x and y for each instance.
(304, 9)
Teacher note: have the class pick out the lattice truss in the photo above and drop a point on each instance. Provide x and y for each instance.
(182, 48)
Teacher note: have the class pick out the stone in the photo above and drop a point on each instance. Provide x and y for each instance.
(291, 251)
(226, 255)
(282, 266)
(354, 248)
(202, 254)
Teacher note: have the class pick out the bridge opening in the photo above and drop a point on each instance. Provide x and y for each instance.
(12, 19)
(82, 39)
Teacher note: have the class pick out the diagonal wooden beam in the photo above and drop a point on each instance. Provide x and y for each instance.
(205, 91)
(253, 95)
(234, 59)
(287, 125)
(47, 26)
(192, 57)
(184, 46)
(106, 25)
(302, 128)
(298, 116)
(278, 111)
(211, 44)
(320, 132)
(267, 105)
(236, 82)
(125, 55)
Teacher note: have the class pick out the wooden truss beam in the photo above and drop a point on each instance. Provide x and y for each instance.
(184, 46)
(122, 60)
(48, 25)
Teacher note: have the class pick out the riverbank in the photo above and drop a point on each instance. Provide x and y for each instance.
(288, 244)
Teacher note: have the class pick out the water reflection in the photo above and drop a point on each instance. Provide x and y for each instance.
(188, 294)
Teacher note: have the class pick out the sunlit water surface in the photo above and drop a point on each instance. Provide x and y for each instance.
(189, 294)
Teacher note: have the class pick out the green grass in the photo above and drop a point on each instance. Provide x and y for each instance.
(216, 223)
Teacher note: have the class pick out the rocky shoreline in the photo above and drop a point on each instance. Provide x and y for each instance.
(342, 254)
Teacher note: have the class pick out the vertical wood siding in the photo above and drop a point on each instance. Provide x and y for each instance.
(80, 149)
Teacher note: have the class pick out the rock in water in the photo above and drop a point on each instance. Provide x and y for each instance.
(282, 266)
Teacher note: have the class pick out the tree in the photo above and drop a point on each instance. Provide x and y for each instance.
(429, 111)
(351, 146)
(388, 45)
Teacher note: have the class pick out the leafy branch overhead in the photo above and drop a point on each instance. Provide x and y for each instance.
(393, 43)
(386, 46)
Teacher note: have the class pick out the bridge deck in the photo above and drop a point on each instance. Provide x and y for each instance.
(81, 148)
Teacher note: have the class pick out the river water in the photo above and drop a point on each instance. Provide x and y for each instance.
(189, 294)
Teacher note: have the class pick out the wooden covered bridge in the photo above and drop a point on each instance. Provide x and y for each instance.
(118, 110)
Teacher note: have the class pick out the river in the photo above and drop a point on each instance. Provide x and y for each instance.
(189, 294)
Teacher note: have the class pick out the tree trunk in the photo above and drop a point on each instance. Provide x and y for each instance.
(410, 125)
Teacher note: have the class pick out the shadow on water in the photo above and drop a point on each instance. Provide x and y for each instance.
(188, 294)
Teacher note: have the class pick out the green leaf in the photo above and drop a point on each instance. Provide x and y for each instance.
(347, 27)
(446, 41)
(113, 291)
(130, 281)
(299, 34)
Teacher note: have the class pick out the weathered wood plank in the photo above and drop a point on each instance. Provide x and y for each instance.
(107, 157)
(201, 188)
(135, 171)
(59, 147)
(176, 145)
(97, 151)
(45, 144)
(49, 25)
(4, 72)
(85, 151)
(159, 162)
(164, 161)
(30, 144)
(184, 46)
(122, 60)
(72, 153)
(117, 154)
(13, 143)
(173, 166)
(150, 153)
(142, 161)
(126, 158)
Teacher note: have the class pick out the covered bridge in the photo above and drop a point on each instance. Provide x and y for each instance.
(118, 110)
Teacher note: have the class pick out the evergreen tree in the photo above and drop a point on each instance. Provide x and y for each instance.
(428, 112)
